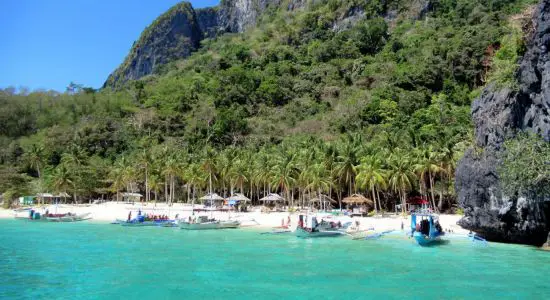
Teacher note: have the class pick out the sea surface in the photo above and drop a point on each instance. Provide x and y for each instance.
(89, 260)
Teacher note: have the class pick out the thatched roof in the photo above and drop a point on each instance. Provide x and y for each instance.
(358, 199)
(238, 197)
(132, 195)
(272, 197)
(212, 197)
(323, 198)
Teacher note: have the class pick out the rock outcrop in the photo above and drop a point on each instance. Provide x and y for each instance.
(175, 34)
(208, 21)
(498, 115)
(178, 32)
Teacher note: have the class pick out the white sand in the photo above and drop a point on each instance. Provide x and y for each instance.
(108, 212)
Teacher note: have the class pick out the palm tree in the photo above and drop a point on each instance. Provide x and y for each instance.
(170, 169)
(428, 166)
(61, 179)
(144, 161)
(372, 176)
(238, 174)
(155, 184)
(116, 176)
(35, 159)
(319, 179)
(209, 166)
(345, 166)
(401, 177)
(284, 173)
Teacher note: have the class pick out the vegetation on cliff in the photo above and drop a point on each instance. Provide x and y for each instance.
(296, 105)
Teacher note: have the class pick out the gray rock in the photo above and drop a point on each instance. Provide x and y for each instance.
(175, 34)
(178, 32)
(499, 115)
(208, 21)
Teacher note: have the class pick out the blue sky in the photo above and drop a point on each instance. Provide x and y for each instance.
(46, 44)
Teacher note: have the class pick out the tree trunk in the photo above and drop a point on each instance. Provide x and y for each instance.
(374, 200)
(166, 188)
(432, 191)
(440, 204)
(146, 185)
(378, 197)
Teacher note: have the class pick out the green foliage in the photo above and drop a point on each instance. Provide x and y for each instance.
(525, 169)
(302, 91)
(506, 60)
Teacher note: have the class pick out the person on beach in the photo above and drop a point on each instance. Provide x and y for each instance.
(129, 216)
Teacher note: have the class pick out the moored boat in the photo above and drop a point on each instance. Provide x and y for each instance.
(69, 217)
(204, 223)
(48, 217)
(141, 221)
(427, 231)
(310, 228)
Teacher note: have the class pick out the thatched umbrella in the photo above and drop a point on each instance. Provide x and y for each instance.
(238, 197)
(212, 197)
(272, 198)
(323, 200)
(357, 199)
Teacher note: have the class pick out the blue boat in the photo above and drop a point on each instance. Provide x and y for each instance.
(427, 231)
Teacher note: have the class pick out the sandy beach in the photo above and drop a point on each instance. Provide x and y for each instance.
(110, 211)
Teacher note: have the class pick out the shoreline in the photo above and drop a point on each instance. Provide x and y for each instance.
(110, 211)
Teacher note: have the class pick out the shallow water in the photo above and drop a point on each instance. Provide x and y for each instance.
(90, 260)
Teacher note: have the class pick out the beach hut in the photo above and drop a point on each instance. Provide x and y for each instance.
(360, 200)
(131, 197)
(26, 200)
(237, 199)
(273, 199)
(45, 198)
(323, 200)
(211, 198)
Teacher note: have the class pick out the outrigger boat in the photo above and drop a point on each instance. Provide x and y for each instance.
(427, 231)
(141, 221)
(205, 223)
(68, 217)
(313, 229)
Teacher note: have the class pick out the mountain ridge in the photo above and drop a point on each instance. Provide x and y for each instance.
(230, 16)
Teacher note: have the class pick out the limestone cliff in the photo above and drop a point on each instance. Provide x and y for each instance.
(175, 34)
(179, 31)
(499, 114)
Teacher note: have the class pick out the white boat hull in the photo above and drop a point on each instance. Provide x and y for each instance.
(73, 218)
(302, 233)
(210, 225)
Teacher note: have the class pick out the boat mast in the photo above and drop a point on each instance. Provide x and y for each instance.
(210, 192)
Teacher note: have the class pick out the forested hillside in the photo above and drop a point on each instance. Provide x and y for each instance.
(307, 101)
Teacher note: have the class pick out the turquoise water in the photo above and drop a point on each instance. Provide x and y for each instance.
(90, 261)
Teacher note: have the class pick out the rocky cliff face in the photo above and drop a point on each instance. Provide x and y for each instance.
(175, 34)
(239, 15)
(178, 32)
(498, 115)
(208, 21)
